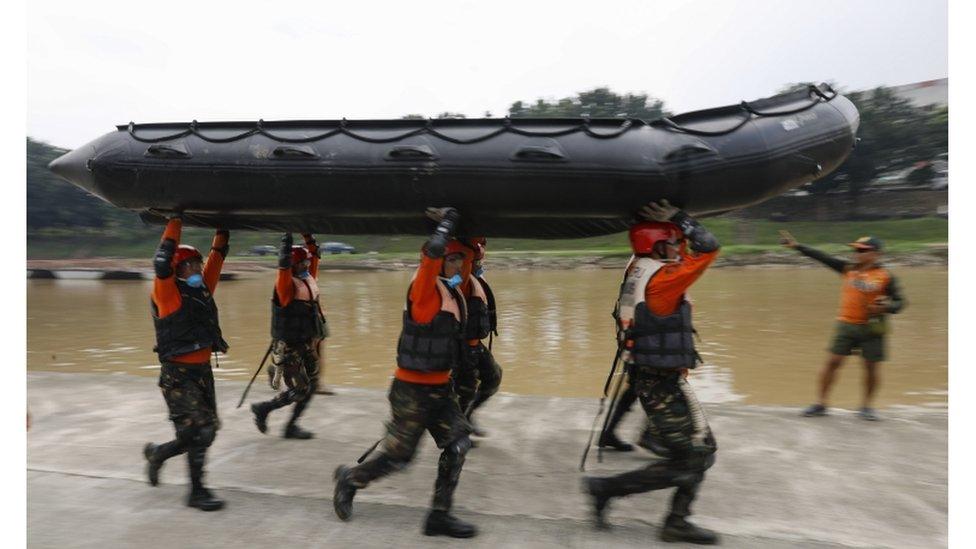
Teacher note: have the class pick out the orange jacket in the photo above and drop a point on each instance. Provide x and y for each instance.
(860, 287)
(668, 285)
(425, 303)
(166, 295)
(285, 283)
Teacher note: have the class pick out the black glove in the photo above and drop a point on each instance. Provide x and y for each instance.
(311, 244)
(437, 243)
(699, 238)
(284, 253)
(163, 260)
(226, 247)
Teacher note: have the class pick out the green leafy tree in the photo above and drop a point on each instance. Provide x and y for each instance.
(55, 203)
(894, 134)
(595, 103)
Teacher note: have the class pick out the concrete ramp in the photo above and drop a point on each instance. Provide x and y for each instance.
(779, 481)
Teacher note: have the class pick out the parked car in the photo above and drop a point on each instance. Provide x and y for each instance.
(337, 248)
(263, 250)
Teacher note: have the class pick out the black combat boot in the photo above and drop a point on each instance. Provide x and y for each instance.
(261, 411)
(343, 494)
(294, 431)
(609, 440)
(152, 466)
(200, 497)
(678, 529)
(592, 487)
(204, 500)
(442, 523)
(157, 454)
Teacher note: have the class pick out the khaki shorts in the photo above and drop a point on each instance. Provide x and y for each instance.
(848, 337)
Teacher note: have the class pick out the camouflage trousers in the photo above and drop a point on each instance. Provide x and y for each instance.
(476, 379)
(192, 401)
(417, 408)
(677, 424)
(298, 366)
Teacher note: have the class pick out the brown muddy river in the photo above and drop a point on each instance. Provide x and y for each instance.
(764, 331)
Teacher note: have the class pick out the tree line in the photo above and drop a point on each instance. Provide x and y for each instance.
(894, 134)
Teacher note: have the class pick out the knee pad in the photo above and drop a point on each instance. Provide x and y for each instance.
(459, 448)
(204, 436)
(196, 436)
(709, 460)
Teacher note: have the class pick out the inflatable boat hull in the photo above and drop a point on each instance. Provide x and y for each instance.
(533, 178)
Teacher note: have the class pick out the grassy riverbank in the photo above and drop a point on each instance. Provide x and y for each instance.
(739, 237)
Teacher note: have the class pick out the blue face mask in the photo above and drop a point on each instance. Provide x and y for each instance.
(195, 280)
(304, 274)
(454, 281)
(479, 271)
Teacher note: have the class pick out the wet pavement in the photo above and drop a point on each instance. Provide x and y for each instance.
(779, 480)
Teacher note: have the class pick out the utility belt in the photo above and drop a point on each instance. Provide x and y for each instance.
(196, 365)
(650, 372)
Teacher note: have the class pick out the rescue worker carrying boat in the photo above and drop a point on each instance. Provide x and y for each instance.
(187, 332)
(422, 396)
(298, 327)
(658, 349)
(479, 375)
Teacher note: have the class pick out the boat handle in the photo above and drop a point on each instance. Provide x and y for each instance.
(811, 163)
(691, 149)
(411, 152)
(294, 152)
(544, 154)
(165, 150)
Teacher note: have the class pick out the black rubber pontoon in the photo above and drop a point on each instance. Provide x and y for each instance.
(539, 178)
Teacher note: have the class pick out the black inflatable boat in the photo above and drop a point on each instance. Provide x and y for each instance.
(540, 178)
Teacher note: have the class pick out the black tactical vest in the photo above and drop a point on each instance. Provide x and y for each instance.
(192, 327)
(435, 346)
(664, 342)
(298, 322)
(481, 315)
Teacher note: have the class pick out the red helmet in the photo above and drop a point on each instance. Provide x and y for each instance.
(298, 254)
(644, 235)
(479, 252)
(478, 244)
(185, 252)
(454, 246)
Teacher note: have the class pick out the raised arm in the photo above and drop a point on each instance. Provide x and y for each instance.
(284, 284)
(165, 294)
(215, 260)
(313, 252)
(834, 263)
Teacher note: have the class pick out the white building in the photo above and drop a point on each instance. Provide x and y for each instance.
(929, 92)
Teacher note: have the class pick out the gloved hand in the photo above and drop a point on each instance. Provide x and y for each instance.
(437, 243)
(311, 244)
(284, 252)
(658, 211)
(163, 260)
(226, 238)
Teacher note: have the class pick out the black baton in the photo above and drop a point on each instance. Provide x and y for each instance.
(255, 376)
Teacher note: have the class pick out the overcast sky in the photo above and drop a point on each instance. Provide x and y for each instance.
(92, 65)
